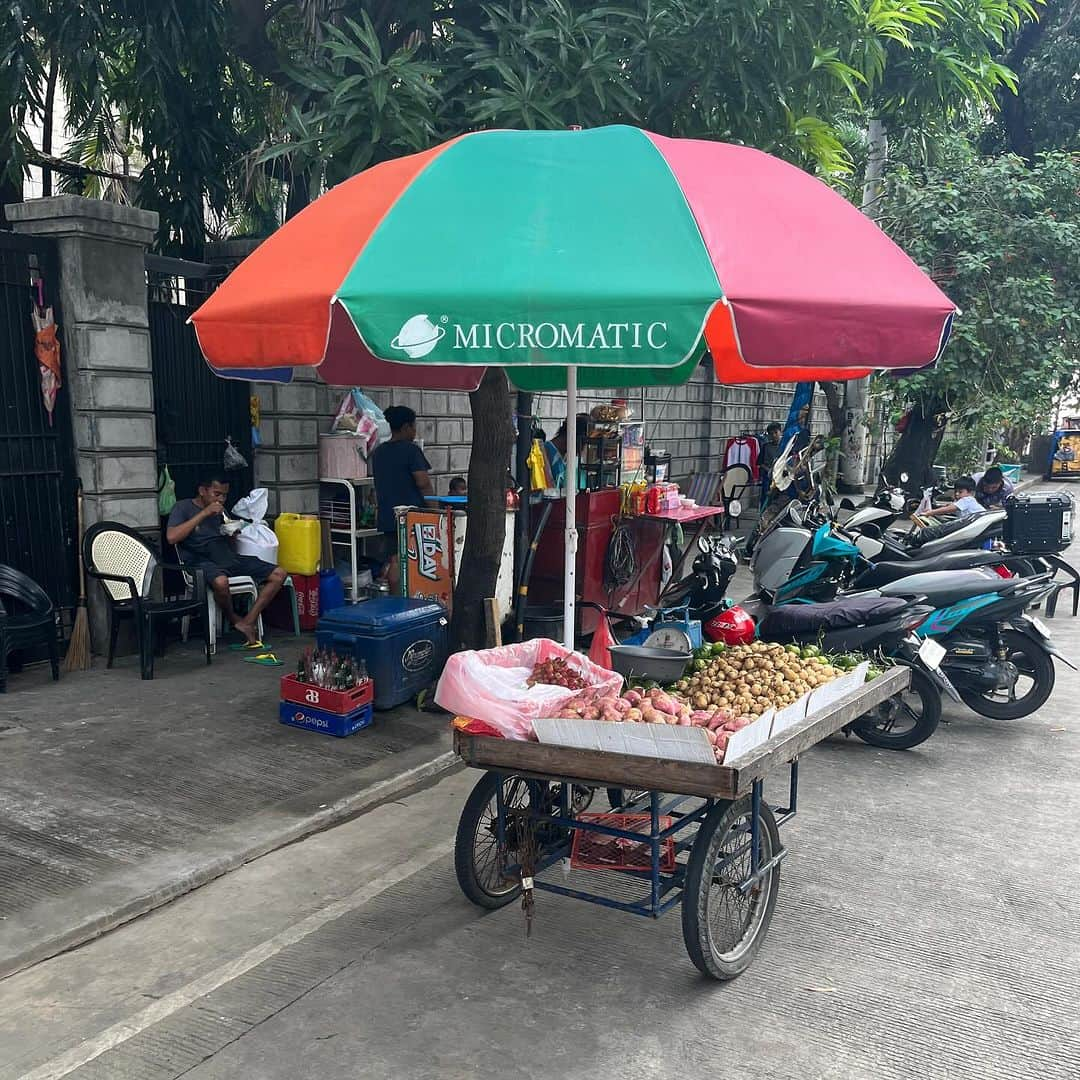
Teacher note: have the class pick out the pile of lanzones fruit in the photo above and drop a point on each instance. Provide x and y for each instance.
(749, 679)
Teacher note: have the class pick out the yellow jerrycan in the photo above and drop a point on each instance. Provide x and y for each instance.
(299, 542)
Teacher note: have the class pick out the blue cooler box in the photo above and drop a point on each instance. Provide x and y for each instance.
(402, 642)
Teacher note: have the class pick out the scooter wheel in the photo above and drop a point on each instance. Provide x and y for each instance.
(906, 719)
(1034, 683)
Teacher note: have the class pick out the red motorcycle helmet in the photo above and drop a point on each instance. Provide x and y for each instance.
(733, 627)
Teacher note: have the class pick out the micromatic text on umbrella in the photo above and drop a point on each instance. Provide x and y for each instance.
(418, 336)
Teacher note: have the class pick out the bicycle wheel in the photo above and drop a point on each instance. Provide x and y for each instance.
(477, 860)
(723, 928)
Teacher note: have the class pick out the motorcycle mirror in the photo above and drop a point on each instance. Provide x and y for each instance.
(703, 544)
(904, 478)
(734, 508)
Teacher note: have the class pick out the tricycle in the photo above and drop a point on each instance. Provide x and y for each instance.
(698, 835)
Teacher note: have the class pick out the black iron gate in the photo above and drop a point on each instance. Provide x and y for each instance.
(37, 466)
(195, 410)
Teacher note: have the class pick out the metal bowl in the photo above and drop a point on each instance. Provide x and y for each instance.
(636, 661)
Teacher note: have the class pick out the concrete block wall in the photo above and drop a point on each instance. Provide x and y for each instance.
(692, 422)
(292, 418)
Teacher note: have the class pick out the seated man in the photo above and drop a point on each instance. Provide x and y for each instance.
(457, 486)
(194, 529)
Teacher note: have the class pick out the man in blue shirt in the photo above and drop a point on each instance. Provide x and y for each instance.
(401, 474)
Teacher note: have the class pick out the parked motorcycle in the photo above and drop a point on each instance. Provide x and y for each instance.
(999, 661)
(872, 625)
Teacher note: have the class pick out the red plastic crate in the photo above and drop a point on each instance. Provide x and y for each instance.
(339, 702)
(598, 851)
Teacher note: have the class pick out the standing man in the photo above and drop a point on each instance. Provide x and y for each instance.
(194, 529)
(401, 474)
(767, 455)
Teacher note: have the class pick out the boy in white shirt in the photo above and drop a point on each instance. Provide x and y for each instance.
(964, 503)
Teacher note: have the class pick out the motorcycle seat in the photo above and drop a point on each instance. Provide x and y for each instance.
(947, 587)
(940, 529)
(882, 573)
(790, 622)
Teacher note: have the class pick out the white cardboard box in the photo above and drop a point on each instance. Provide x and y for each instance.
(642, 740)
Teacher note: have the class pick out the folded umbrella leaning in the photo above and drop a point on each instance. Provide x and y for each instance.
(601, 258)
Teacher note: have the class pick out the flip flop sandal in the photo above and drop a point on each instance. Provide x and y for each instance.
(266, 659)
(247, 646)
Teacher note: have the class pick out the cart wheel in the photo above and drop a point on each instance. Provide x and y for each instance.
(723, 928)
(476, 849)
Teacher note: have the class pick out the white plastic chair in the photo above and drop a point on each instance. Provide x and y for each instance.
(241, 585)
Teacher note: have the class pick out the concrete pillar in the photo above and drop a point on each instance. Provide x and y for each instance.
(103, 320)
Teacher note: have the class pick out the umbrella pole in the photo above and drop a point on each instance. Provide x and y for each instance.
(571, 540)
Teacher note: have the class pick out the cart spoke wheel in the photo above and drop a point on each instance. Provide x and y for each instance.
(478, 861)
(723, 927)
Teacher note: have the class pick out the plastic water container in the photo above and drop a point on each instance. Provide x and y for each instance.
(299, 542)
(331, 590)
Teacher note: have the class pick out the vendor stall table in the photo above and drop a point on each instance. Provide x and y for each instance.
(522, 816)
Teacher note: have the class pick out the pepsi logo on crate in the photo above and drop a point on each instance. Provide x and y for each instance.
(328, 723)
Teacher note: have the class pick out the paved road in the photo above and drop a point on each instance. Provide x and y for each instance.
(928, 926)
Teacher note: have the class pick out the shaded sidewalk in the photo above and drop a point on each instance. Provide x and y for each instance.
(117, 795)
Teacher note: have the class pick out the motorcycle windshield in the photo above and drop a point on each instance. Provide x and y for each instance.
(827, 545)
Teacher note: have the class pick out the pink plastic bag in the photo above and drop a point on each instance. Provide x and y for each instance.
(492, 685)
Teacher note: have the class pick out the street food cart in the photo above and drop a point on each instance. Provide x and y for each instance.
(697, 835)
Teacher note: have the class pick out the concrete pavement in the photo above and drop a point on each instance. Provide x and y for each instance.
(117, 795)
(927, 926)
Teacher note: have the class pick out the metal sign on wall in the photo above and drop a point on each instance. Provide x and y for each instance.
(426, 550)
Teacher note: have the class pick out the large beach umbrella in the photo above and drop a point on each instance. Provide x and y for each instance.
(601, 258)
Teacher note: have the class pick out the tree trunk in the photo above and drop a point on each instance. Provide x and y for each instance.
(493, 438)
(857, 392)
(47, 121)
(835, 405)
(916, 449)
(299, 195)
(11, 191)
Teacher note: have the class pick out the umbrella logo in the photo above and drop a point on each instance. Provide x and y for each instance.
(418, 336)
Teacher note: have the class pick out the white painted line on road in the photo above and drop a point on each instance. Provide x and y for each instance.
(119, 1033)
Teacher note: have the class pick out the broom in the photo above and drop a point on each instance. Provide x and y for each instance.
(78, 654)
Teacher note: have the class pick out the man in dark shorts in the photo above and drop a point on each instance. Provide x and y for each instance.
(194, 529)
(401, 478)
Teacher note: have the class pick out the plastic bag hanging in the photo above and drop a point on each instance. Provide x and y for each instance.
(166, 499)
(233, 459)
(600, 649)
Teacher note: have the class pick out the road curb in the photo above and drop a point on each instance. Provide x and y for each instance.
(100, 922)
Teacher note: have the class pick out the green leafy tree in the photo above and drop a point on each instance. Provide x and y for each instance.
(1003, 240)
(1044, 113)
